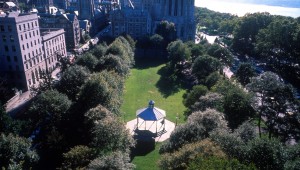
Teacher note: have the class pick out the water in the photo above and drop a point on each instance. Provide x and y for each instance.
(241, 7)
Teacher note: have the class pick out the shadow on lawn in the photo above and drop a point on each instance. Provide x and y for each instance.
(168, 84)
(144, 63)
(144, 145)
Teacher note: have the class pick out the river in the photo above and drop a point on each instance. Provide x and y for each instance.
(241, 7)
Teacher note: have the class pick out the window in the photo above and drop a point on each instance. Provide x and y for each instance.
(20, 28)
(22, 37)
(11, 38)
(13, 48)
(2, 28)
(32, 24)
(30, 34)
(37, 32)
(8, 58)
(25, 57)
(27, 45)
(6, 48)
(24, 26)
(17, 68)
(16, 59)
(9, 28)
(23, 47)
(26, 66)
(3, 38)
(25, 36)
(28, 25)
(31, 44)
(35, 23)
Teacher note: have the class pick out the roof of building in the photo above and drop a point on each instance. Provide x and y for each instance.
(10, 4)
(151, 113)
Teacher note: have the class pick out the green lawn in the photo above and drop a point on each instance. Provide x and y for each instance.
(145, 83)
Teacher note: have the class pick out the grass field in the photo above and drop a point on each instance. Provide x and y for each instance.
(145, 83)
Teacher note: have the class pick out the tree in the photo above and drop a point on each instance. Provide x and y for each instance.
(45, 83)
(212, 79)
(210, 100)
(244, 73)
(167, 30)
(198, 127)
(105, 88)
(222, 54)
(114, 63)
(47, 114)
(16, 152)
(78, 157)
(87, 60)
(6, 91)
(72, 80)
(275, 101)
(7, 123)
(205, 65)
(182, 158)
(115, 160)
(178, 52)
(191, 97)
(99, 50)
(237, 107)
(157, 41)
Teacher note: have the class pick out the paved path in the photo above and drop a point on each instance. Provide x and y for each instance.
(151, 126)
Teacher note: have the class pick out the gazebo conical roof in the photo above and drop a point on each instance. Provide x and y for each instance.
(151, 113)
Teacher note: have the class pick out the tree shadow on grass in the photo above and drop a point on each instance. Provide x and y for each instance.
(168, 84)
(144, 63)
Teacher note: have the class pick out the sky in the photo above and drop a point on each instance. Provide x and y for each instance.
(241, 7)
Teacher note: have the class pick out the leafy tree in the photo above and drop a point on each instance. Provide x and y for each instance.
(182, 158)
(293, 157)
(196, 49)
(78, 157)
(178, 52)
(205, 65)
(47, 114)
(99, 50)
(246, 131)
(222, 54)
(198, 127)
(157, 41)
(167, 30)
(265, 154)
(218, 163)
(108, 132)
(115, 160)
(114, 63)
(275, 101)
(210, 100)
(72, 80)
(212, 79)
(105, 88)
(191, 97)
(16, 152)
(87, 60)
(244, 73)
(247, 29)
(7, 123)
(237, 107)
(45, 83)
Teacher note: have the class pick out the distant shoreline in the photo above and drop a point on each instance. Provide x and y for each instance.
(241, 9)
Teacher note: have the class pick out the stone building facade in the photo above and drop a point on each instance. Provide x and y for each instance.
(68, 22)
(22, 56)
(180, 12)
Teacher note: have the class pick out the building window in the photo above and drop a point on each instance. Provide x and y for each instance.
(3, 38)
(24, 26)
(22, 37)
(20, 28)
(27, 45)
(8, 58)
(16, 59)
(37, 32)
(25, 36)
(30, 34)
(13, 48)
(25, 57)
(35, 23)
(6, 48)
(11, 38)
(28, 25)
(17, 68)
(32, 24)
(23, 47)
(26, 66)
(9, 28)
(2, 28)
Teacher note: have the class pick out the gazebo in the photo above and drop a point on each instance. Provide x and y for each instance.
(151, 113)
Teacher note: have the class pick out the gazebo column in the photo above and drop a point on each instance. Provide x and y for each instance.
(137, 123)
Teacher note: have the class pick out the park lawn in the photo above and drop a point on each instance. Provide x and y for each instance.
(145, 84)
(149, 161)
